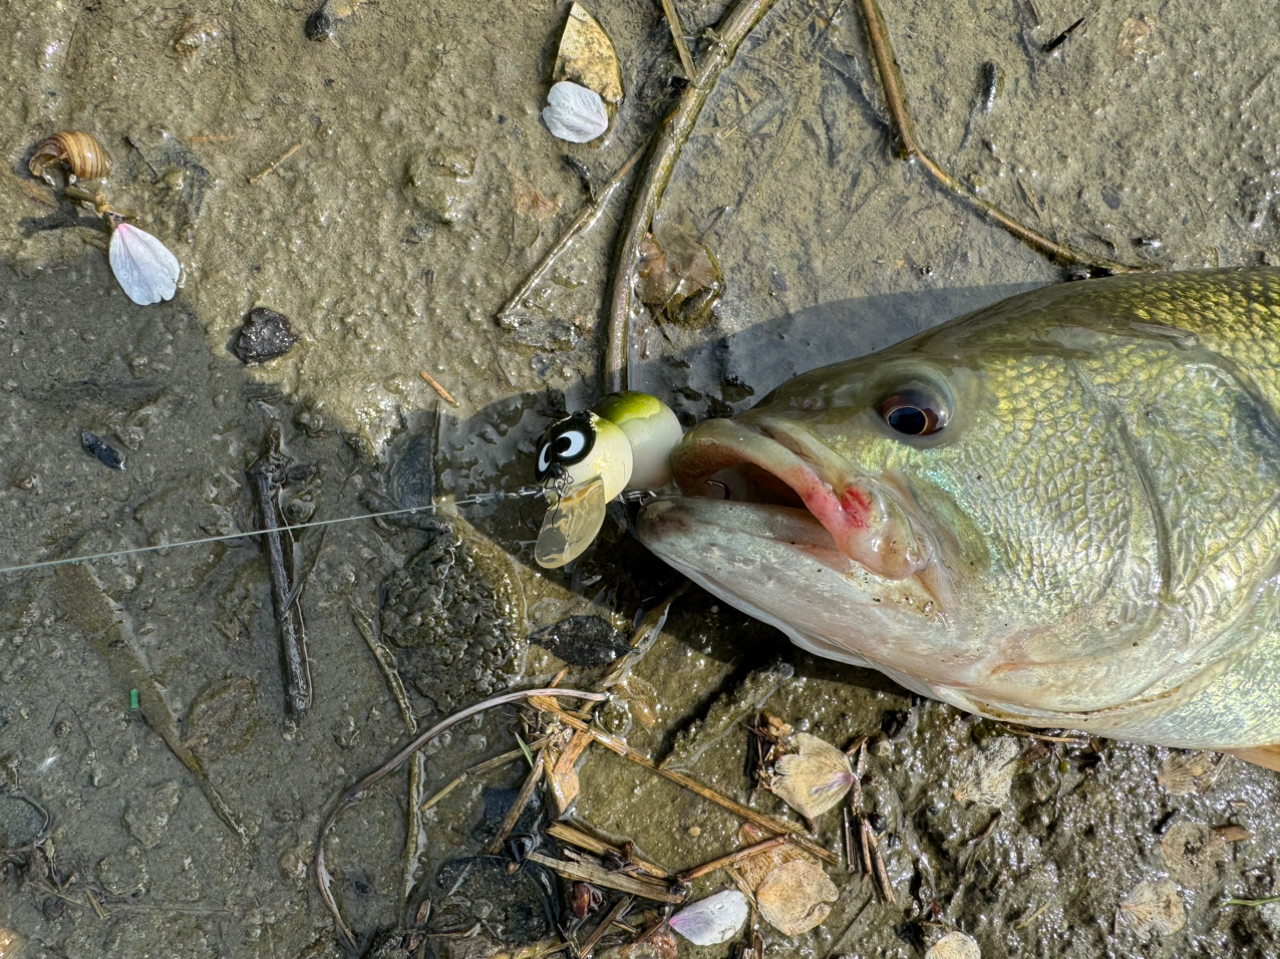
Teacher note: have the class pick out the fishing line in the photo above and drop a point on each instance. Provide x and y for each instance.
(494, 497)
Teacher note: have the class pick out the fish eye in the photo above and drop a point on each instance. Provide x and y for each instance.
(564, 443)
(914, 411)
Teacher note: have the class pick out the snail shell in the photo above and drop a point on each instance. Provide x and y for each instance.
(83, 153)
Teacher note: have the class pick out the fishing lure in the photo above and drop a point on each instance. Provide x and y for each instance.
(587, 459)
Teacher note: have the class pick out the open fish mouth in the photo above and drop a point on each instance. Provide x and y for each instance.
(772, 463)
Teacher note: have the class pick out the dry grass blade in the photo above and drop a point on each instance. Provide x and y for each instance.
(517, 807)
(909, 149)
(731, 859)
(320, 872)
(587, 216)
(623, 882)
(677, 37)
(617, 912)
(582, 840)
(730, 32)
(775, 826)
(275, 163)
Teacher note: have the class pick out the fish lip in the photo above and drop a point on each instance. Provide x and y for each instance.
(869, 520)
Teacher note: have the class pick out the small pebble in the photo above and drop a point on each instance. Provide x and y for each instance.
(105, 454)
(265, 335)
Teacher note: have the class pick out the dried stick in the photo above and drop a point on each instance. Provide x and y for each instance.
(522, 799)
(731, 859)
(586, 216)
(677, 37)
(728, 36)
(775, 826)
(619, 910)
(268, 472)
(573, 836)
(431, 382)
(319, 871)
(623, 882)
(909, 149)
(275, 163)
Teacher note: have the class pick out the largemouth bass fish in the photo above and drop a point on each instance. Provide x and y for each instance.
(1062, 510)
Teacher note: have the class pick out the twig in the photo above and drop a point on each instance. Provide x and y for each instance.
(731, 859)
(268, 472)
(1033, 917)
(1250, 902)
(445, 790)
(576, 837)
(743, 886)
(776, 826)
(272, 168)
(586, 216)
(444, 394)
(623, 882)
(835, 946)
(320, 873)
(617, 912)
(677, 37)
(386, 661)
(522, 799)
(729, 34)
(909, 149)
(878, 869)
(99, 623)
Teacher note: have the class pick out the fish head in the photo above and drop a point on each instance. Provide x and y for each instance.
(962, 512)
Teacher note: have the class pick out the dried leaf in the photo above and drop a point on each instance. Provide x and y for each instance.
(1155, 907)
(1184, 773)
(796, 897)
(562, 777)
(587, 57)
(642, 699)
(529, 201)
(1231, 832)
(814, 778)
(713, 920)
(954, 945)
(1193, 853)
(755, 869)
(775, 728)
(675, 266)
(989, 774)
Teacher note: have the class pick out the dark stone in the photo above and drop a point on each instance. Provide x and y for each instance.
(265, 335)
(582, 640)
(105, 454)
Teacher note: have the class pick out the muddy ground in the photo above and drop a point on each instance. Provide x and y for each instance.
(422, 190)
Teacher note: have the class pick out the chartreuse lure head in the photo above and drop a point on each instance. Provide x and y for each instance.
(587, 459)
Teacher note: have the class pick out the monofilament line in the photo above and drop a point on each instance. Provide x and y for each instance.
(431, 507)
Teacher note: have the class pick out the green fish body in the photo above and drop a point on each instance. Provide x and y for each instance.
(1062, 510)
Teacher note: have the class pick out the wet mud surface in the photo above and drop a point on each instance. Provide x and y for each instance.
(422, 191)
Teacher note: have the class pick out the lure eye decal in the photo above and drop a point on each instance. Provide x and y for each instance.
(566, 442)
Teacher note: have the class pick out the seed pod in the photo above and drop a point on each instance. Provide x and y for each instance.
(85, 156)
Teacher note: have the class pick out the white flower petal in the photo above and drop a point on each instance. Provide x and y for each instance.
(146, 269)
(712, 920)
(575, 113)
